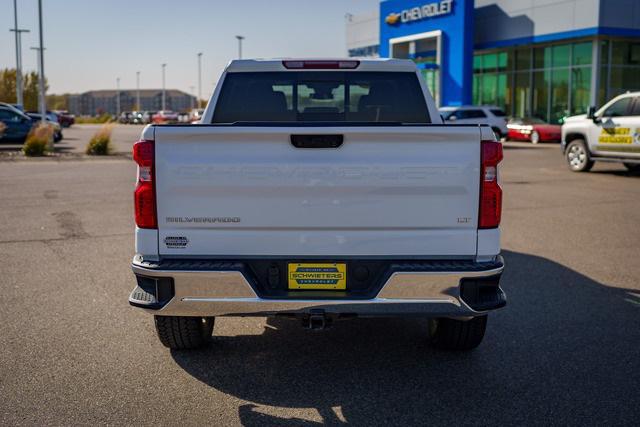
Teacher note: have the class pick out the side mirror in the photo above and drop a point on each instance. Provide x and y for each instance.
(591, 112)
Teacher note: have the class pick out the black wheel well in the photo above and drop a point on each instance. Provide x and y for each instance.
(572, 137)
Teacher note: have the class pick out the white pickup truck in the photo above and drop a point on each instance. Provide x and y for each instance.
(318, 190)
(610, 134)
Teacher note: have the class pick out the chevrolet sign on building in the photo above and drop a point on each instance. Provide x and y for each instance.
(543, 58)
(425, 11)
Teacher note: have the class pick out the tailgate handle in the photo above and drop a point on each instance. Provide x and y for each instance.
(317, 141)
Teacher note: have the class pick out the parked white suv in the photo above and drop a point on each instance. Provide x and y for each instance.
(478, 115)
(611, 134)
(318, 190)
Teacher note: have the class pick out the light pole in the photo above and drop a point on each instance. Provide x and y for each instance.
(37, 49)
(138, 108)
(43, 96)
(19, 95)
(240, 38)
(199, 78)
(164, 95)
(42, 106)
(118, 97)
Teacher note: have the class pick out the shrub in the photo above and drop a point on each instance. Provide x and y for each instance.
(100, 143)
(38, 140)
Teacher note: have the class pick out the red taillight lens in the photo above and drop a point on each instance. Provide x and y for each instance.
(145, 194)
(143, 153)
(490, 191)
(321, 65)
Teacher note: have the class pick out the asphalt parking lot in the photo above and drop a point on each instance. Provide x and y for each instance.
(566, 349)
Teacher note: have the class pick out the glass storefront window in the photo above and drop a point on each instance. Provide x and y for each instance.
(431, 77)
(618, 53)
(489, 62)
(559, 95)
(634, 53)
(560, 55)
(540, 95)
(502, 61)
(625, 53)
(542, 57)
(624, 79)
(476, 90)
(604, 52)
(489, 88)
(581, 54)
(477, 63)
(523, 58)
(521, 94)
(580, 89)
(551, 81)
(504, 91)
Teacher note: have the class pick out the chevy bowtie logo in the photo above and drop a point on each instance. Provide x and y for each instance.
(392, 18)
(418, 13)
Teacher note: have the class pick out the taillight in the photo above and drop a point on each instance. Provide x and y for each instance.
(144, 196)
(490, 191)
(321, 65)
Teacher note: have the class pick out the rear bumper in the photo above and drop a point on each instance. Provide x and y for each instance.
(423, 288)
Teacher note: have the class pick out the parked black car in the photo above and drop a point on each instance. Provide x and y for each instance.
(16, 124)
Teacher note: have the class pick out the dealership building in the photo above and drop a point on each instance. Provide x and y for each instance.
(543, 58)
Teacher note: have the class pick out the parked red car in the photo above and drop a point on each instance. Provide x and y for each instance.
(165, 116)
(533, 130)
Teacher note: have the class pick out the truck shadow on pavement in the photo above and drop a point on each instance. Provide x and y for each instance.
(623, 173)
(565, 350)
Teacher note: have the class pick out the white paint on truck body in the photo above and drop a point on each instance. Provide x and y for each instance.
(227, 191)
(247, 191)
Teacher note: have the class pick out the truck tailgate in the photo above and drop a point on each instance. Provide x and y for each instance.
(230, 191)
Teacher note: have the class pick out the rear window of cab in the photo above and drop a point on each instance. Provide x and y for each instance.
(311, 96)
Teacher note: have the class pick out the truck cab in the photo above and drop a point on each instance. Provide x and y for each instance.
(610, 134)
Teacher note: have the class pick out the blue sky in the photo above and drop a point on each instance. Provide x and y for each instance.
(92, 42)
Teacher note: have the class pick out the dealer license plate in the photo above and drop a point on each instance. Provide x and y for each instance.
(317, 276)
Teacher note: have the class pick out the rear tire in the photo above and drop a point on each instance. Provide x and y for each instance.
(632, 167)
(457, 335)
(577, 155)
(184, 333)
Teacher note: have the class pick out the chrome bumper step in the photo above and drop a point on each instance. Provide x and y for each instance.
(229, 288)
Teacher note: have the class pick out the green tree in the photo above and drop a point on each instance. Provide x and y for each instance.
(8, 85)
(30, 92)
(57, 102)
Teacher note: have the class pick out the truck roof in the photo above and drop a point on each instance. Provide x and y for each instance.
(377, 64)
